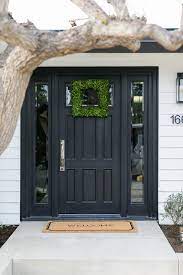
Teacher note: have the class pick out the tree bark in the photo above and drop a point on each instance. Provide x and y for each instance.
(13, 85)
(4, 6)
(181, 20)
(120, 8)
(92, 9)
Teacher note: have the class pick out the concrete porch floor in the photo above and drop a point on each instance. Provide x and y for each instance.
(146, 252)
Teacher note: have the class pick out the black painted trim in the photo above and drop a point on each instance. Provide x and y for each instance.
(150, 207)
(146, 47)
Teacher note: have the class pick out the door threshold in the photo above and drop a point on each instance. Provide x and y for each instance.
(101, 217)
(88, 217)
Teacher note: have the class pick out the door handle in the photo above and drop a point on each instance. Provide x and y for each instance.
(62, 155)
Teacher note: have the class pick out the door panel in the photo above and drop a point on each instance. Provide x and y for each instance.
(91, 180)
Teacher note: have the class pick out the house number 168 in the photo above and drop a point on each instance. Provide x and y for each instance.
(177, 119)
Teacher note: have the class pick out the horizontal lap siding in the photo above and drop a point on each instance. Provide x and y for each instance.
(170, 136)
(10, 218)
(10, 181)
(171, 152)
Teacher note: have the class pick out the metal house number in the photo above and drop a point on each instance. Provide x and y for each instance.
(177, 119)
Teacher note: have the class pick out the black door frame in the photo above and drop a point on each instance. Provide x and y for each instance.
(31, 211)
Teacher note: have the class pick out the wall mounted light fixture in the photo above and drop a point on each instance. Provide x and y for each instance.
(179, 88)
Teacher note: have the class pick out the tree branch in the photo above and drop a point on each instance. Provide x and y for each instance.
(181, 21)
(13, 85)
(170, 40)
(18, 34)
(91, 35)
(92, 9)
(120, 8)
(4, 6)
(24, 35)
(132, 45)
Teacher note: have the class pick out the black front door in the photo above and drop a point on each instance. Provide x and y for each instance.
(90, 182)
(89, 165)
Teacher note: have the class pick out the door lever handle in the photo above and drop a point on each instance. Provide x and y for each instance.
(62, 155)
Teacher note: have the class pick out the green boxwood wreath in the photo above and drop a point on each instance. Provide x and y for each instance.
(101, 86)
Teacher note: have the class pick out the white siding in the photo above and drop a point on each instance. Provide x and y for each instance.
(10, 181)
(170, 137)
(10, 178)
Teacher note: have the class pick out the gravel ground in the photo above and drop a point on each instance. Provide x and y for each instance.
(172, 234)
(5, 233)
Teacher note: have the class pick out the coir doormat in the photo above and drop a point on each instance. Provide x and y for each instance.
(90, 226)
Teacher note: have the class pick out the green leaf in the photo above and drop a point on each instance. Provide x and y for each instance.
(102, 87)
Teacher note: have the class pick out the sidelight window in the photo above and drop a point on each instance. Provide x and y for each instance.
(137, 142)
(41, 143)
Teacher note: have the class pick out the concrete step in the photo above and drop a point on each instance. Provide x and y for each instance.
(91, 267)
(146, 252)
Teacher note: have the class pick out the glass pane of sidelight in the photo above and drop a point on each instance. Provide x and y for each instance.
(68, 94)
(137, 142)
(41, 110)
(90, 96)
(111, 94)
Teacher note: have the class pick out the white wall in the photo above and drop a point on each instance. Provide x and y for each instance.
(10, 177)
(170, 137)
(10, 182)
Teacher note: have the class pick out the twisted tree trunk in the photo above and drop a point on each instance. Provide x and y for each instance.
(29, 47)
(14, 82)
